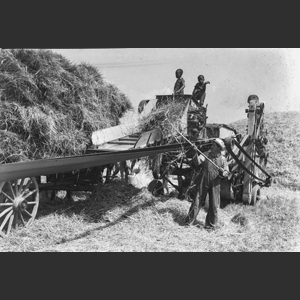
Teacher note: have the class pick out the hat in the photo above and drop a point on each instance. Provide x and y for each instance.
(253, 97)
(220, 143)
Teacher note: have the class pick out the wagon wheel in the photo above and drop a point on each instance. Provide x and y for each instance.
(19, 201)
(255, 195)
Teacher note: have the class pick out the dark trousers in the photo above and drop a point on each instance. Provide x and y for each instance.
(202, 98)
(204, 187)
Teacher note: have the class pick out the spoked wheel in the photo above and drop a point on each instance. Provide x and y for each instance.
(255, 195)
(19, 201)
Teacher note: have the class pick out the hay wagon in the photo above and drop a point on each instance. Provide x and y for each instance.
(20, 185)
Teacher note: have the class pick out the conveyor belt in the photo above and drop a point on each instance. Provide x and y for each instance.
(42, 167)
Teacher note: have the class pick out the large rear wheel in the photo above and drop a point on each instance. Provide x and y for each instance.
(19, 201)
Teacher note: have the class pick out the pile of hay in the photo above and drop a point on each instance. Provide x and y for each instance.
(165, 118)
(49, 107)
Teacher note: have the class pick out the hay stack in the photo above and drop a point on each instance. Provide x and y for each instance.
(49, 107)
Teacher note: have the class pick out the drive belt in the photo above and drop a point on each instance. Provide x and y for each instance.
(228, 143)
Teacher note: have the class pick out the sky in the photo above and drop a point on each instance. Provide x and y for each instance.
(234, 74)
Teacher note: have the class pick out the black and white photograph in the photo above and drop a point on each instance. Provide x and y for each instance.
(149, 150)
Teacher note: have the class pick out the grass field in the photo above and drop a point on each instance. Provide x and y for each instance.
(128, 219)
(122, 218)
